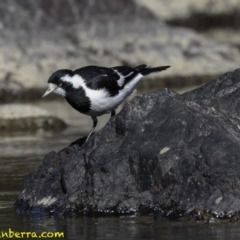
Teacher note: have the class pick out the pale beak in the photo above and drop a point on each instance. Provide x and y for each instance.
(51, 88)
(48, 92)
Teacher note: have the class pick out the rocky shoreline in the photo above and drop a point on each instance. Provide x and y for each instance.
(173, 155)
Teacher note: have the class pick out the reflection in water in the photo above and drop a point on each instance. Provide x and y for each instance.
(20, 154)
(117, 227)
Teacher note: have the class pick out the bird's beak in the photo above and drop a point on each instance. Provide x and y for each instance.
(51, 88)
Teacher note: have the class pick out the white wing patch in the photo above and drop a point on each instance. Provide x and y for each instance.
(121, 79)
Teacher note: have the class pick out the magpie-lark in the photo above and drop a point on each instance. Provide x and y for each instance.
(94, 90)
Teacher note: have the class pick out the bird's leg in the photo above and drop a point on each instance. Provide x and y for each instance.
(95, 121)
(113, 112)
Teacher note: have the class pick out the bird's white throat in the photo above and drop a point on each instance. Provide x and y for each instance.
(60, 91)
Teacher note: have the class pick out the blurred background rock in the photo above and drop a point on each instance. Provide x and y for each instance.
(199, 39)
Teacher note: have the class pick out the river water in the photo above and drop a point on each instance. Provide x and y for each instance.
(21, 153)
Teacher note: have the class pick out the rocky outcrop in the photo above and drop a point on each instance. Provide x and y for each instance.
(72, 34)
(25, 117)
(170, 154)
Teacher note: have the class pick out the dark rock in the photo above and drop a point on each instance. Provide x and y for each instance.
(174, 155)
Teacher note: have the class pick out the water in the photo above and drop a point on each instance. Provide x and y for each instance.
(20, 154)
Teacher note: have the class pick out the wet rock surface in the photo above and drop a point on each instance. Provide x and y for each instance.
(165, 153)
(26, 117)
(107, 33)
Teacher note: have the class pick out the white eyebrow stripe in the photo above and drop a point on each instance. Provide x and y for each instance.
(76, 81)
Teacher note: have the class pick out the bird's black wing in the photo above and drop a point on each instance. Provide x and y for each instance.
(105, 81)
(112, 79)
(126, 73)
(100, 77)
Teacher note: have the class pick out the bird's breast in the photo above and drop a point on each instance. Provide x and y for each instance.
(102, 102)
(78, 99)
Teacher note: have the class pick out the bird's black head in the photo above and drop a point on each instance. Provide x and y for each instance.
(56, 82)
(55, 78)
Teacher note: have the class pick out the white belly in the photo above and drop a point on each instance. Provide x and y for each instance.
(102, 102)
(106, 103)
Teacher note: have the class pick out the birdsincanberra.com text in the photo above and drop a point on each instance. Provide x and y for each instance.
(14, 234)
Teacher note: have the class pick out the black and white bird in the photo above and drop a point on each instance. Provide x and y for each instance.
(94, 90)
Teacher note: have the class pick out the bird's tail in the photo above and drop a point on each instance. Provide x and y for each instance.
(144, 70)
